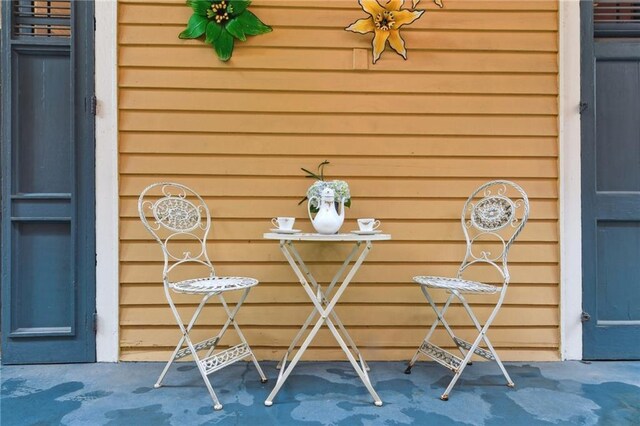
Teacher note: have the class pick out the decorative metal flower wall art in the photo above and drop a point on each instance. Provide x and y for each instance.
(414, 3)
(222, 21)
(385, 21)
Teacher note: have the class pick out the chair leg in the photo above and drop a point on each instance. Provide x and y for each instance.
(185, 338)
(487, 342)
(472, 349)
(232, 318)
(465, 361)
(439, 318)
(444, 322)
(212, 343)
(185, 331)
(166, 367)
(216, 402)
(263, 378)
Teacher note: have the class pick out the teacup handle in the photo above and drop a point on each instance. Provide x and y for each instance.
(376, 224)
(275, 223)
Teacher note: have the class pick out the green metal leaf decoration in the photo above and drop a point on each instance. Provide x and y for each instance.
(213, 32)
(224, 45)
(252, 25)
(236, 7)
(199, 7)
(234, 27)
(195, 27)
(222, 21)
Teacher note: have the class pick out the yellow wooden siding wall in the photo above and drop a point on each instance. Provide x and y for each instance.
(476, 100)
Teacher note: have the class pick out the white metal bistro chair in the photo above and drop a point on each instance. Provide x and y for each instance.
(492, 217)
(179, 220)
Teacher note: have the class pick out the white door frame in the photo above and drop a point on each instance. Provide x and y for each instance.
(570, 182)
(107, 215)
(107, 196)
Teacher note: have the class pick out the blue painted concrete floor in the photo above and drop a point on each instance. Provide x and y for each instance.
(326, 393)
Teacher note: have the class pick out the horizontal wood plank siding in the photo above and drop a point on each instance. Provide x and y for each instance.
(476, 100)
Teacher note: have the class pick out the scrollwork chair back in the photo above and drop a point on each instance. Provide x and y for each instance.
(493, 216)
(176, 215)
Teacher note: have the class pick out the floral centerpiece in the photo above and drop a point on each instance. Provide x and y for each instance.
(340, 188)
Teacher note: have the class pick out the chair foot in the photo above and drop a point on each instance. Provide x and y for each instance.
(264, 380)
(157, 385)
(444, 397)
(408, 370)
(511, 385)
(268, 403)
(470, 363)
(378, 403)
(217, 407)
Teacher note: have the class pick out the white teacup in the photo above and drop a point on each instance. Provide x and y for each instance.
(283, 223)
(368, 224)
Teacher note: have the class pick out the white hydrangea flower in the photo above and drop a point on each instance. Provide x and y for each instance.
(340, 187)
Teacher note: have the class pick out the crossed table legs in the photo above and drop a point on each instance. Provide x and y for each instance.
(324, 307)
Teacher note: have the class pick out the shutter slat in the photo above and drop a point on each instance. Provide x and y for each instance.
(616, 18)
(38, 18)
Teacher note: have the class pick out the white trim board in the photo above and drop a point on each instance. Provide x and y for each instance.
(107, 278)
(570, 182)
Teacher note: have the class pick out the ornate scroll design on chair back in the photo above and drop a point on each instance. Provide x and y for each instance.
(175, 214)
(492, 217)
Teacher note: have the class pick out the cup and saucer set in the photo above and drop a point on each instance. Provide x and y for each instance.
(367, 226)
(284, 225)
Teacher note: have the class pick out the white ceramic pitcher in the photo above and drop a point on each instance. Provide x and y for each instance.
(327, 220)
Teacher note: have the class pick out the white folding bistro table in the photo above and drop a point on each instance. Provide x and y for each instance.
(322, 304)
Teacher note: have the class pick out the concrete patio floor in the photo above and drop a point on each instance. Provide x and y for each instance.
(559, 393)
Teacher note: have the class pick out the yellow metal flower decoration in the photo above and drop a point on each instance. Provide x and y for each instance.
(385, 21)
(414, 3)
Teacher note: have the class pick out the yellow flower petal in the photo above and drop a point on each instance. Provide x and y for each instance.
(394, 4)
(362, 26)
(372, 7)
(397, 43)
(404, 17)
(414, 3)
(379, 42)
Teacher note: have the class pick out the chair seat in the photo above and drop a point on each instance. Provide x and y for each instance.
(212, 285)
(457, 284)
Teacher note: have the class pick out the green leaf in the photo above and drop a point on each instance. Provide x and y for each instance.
(251, 24)
(195, 27)
(236, 29)
(236, 7)
(321, 168)
(199, 7)
(224, 46)
(213, 32)
(310, 174)
(348, 203)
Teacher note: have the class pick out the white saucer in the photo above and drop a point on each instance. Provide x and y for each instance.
(285, 231)
(375, 231)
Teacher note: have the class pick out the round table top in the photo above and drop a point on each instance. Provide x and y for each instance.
(304, 236)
